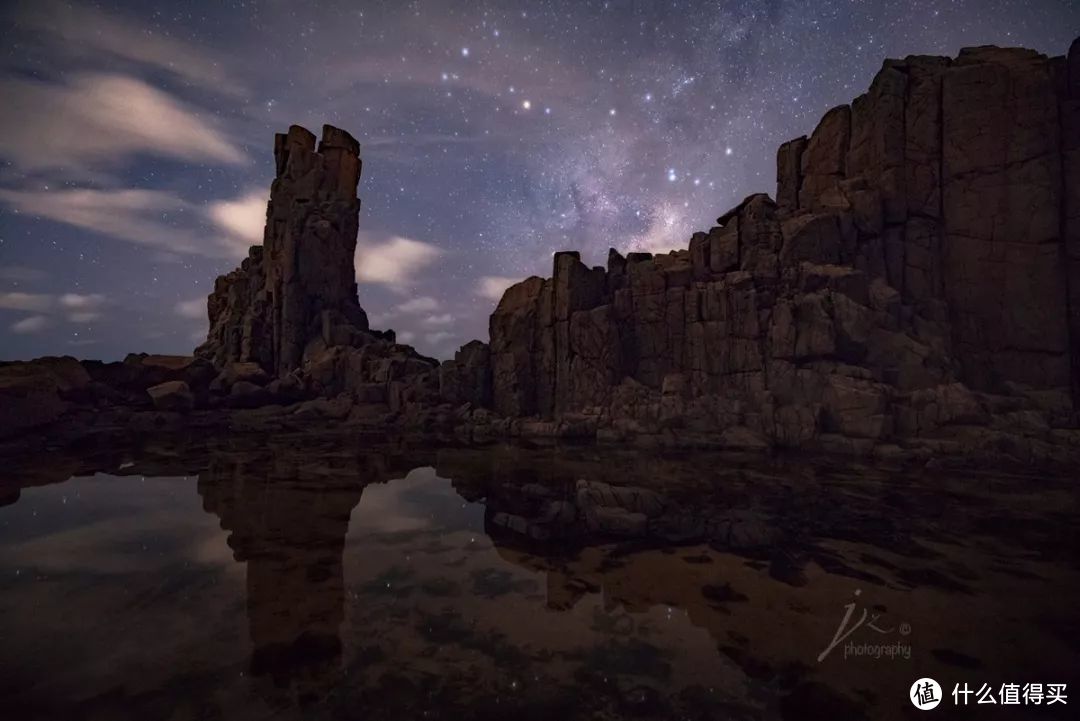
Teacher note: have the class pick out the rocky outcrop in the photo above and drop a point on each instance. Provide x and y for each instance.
(916, 278)
(300, 282)
(286, 325)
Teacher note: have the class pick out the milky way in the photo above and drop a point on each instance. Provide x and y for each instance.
(136, 140)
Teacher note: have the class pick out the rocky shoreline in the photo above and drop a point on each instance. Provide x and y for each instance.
(912, 293)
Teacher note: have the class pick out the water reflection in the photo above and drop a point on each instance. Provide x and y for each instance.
(287, 522)
(391, 582)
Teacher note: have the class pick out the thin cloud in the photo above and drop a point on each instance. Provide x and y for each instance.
(150, 218)
(242, 219)
(132, 215)
(76, 307)
(33, 324)
(194, 308)
(438, 320)
(99, 121)
(84, 33)
(395, 262)
(438, 337)
(82, 308)
(423, 304)
(77, 301)
(34, 302)
(492, 287)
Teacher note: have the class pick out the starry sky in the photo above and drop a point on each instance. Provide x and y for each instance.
(136, 139)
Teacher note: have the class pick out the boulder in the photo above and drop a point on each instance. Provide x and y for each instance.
(172, 396)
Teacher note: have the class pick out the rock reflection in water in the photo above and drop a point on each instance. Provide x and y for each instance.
(287, 522)
(548, 583)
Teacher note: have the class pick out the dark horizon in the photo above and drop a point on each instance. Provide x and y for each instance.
(137, 145)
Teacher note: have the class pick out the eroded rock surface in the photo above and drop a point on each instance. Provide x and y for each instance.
(915, 278)
(301, 278)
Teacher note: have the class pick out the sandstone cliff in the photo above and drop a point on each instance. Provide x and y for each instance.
(920, 269)
(301, 277)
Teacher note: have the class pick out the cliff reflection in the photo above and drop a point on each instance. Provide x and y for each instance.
(388, 582)
(287, 515)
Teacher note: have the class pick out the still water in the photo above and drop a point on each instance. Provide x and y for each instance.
(312, 578)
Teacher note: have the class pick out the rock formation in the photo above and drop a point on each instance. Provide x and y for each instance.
(914, 289)
(920, 268)
(287, 322)
(301, 279)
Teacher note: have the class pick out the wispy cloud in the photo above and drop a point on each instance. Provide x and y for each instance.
(35, 302)
(84, 33)
(137, 216)
(99, 121)
(75, 307)
(194, 308)
(422, 304)
(82, 308)
(394, 262)
(492, 287)
(33, 324)
(438, 337)
(242, 218)
(153, 218)
(435, 321)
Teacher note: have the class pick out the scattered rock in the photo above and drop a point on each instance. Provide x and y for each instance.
(173, 396)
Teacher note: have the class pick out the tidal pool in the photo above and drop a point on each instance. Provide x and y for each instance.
(320, 577)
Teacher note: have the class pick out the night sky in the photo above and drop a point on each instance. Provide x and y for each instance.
(136, 140)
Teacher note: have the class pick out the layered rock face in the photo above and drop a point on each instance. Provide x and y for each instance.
(920, 269)
(287, 324)
(301, 279)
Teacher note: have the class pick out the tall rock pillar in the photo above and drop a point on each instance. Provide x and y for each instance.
(310, 238)
(302, 277)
